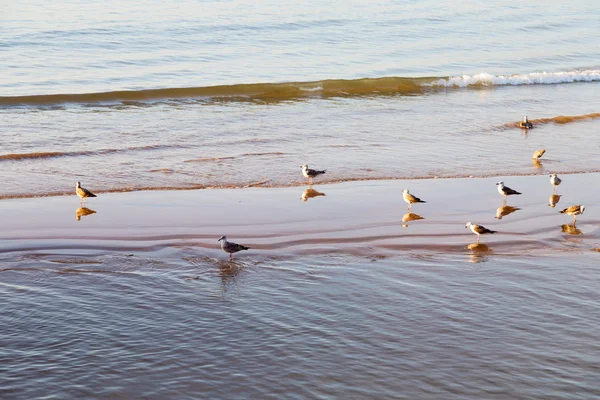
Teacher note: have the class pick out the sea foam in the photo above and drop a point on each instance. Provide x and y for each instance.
(543, 78)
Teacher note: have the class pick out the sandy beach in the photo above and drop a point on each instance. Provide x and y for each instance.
(361, 218)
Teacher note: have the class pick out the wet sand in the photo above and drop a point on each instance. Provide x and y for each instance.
(359, 218)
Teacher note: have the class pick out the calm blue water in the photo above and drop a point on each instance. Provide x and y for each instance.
(77, 47)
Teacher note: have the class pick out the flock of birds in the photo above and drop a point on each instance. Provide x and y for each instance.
(410, 199)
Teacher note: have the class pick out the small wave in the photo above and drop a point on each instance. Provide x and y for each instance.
(55, 154)
(534, 78)
(276, 92)
(208, 159)
(560, 119)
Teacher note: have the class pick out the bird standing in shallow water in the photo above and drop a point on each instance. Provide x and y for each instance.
(525, 123)
(574, 211)
(555, 181)
(230, 247)
(505, 190)
(478, 230)
(311, 173)
(538, 154)
(410, 199)
(83, 193)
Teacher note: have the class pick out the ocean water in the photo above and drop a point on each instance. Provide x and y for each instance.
(344, 294)
(154, 95)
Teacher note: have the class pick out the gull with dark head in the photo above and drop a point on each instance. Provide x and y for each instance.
(538, 154)
(83, 193)
(505, 190)
(555, 180)
(230, 247)
(478, 230)
(411, 199)
(311, 173)
(574, 211)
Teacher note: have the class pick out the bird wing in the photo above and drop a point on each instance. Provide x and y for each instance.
(84, 192)
(572, 209)
(508, 190)
(234, 247)
(314, 172)
(413, 199)
(482, 229)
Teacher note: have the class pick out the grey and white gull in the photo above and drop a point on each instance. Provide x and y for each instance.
(230, 247)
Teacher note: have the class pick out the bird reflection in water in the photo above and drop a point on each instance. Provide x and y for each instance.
(479, 252)
(503, 211)
(82, 212)
(310, 193)
(228, 272)
(410, 216)
(553, 200)
(536, 163)
(571, 229)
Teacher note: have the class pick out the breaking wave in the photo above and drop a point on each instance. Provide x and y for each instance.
(275, 92)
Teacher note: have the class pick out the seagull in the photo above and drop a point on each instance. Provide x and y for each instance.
(311, 173)
(574, 211)
(230, 247)
(83, 193)
(410, 199)
(555, 180)
(505, 190)
(525, 123)
(478, 230)
(538, 154)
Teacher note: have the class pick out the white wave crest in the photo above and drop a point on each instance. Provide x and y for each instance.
(534, 78)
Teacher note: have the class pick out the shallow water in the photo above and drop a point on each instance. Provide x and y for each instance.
(420, 325)
(445, 99)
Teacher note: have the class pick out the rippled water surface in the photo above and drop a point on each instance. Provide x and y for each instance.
(416, 326)
(344, 294)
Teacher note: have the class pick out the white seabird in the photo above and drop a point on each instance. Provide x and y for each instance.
(83, 193)
(311, 173)
(230, 247)
(478, 230)
(555, 180)
(411, 199)
(574, 211)
(505, 190)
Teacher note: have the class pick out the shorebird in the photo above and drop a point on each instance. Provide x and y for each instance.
(311, 173)
(538, 154)
(478, 230)
(410, 199)
(83, 193)
(230, 247)
(555, 181)
(505, 190)
(574, 211)
(525, 123)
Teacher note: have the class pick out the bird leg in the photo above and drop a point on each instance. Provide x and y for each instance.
(478, 237)
(230, 256)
